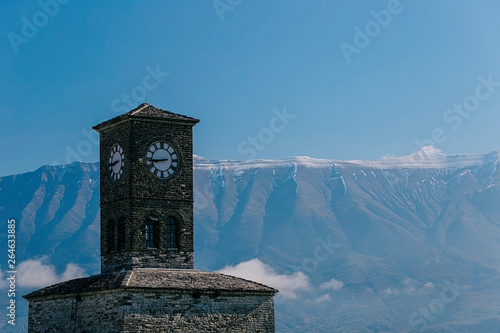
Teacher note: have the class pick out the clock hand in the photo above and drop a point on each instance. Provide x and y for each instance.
(112, 164)
(159, 160)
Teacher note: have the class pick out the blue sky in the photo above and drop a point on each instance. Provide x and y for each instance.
(268, 79)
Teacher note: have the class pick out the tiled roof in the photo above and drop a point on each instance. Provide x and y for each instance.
(192, 280)
(155, 278)
(91, 283)
(148, 111)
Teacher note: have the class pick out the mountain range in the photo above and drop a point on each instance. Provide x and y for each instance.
(400, 244)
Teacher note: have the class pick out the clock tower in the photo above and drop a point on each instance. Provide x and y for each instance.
(146, 175)
(147, 281)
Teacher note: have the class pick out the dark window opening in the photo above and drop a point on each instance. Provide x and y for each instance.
(171, 234)
(121, 234)
(111, 235)
(152, 239)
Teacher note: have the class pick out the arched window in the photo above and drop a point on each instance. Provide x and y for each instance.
(111, 235)
(121, 234)
(172, 243)
(152, 239)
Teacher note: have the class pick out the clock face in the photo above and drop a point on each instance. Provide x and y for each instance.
(162, 160)
(116, 162)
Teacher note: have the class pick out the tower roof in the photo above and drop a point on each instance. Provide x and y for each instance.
(149, 112)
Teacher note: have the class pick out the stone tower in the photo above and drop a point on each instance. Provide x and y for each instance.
(147, 281)
(146, 190)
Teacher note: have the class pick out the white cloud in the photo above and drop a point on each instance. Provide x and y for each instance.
(322, 299)
(429, 285)
(36, 273)
(391, 291)
(4, 284)
(256, 270)
(332, 284)
(410, 286)
(72, 272)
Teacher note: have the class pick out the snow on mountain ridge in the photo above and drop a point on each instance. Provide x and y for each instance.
(203, 163)
(426, 158)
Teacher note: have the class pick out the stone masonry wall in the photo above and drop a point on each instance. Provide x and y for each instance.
(154, 311)
(139, 194)
(135, 253)
(94, 313)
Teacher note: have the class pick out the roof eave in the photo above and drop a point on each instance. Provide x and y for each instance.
(124, 118)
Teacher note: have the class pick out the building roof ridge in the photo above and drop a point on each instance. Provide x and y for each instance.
(148, 111)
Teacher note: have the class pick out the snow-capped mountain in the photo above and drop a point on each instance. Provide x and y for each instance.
(399, 244)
